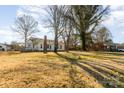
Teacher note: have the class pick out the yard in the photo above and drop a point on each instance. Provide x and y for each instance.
(73, 69)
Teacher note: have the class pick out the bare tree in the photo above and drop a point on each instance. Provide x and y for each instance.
(15, 46)
(102, 35)
(25, 25)
(86, 18)
(54, 21)
(67, 32)
(34, 41)
(74, 40)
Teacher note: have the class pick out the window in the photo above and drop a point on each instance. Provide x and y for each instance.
(29, 45)
(49, 46)
(3, 49)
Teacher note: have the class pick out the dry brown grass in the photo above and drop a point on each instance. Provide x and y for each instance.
(73, 69)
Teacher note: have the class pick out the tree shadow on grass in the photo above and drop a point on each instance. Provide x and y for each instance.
(115, 53)
(118, 61)
(105, 78)
(76, 82)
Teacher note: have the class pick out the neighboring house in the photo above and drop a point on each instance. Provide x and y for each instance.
(16, 46)
(4, 47)
(115, 47)
(120, 47)
(111, 47)
(38, 44)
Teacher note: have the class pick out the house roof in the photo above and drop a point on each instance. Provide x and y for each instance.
(40, 39)
(7, 45)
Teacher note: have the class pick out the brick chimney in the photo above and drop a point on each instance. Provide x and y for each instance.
(45, 44)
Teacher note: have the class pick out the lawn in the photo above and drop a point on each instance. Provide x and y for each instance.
(72, 69)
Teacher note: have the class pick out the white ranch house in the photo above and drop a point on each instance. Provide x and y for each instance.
(38, 44)
(4, 47)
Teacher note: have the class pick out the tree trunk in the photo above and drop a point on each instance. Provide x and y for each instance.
(67, 46)
(25, 41)
(55, 44)
(33, 47)
(83, 41)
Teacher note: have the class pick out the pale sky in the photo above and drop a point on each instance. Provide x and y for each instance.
(115, 22)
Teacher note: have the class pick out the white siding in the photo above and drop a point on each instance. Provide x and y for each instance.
(2, 46)
(49, 47)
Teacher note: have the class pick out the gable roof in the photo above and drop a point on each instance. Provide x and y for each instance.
(41, 40)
